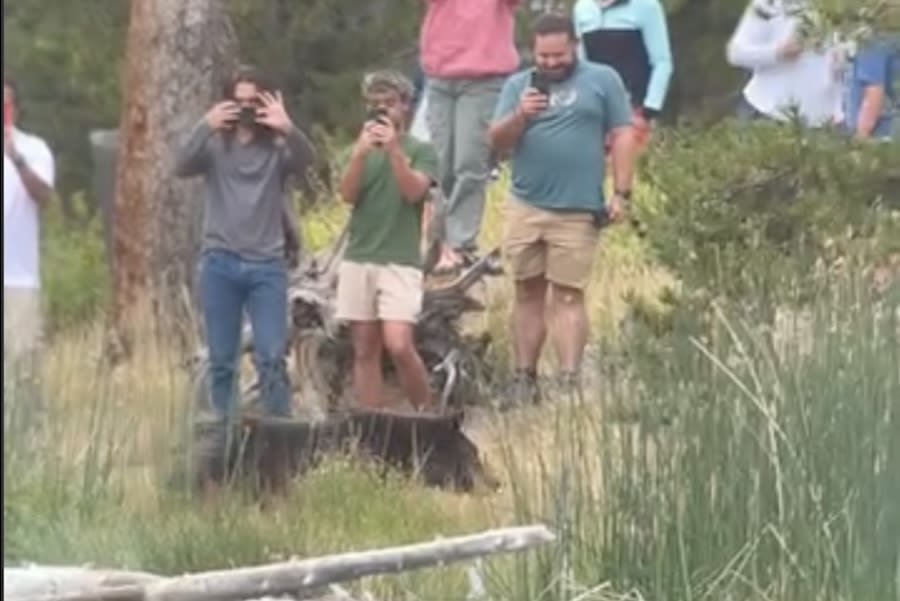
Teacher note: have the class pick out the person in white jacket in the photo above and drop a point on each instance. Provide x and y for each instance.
(787, 75)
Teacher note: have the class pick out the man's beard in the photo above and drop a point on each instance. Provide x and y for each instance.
(560, 73)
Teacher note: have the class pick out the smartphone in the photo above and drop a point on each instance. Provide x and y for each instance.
(247, 116)
(540, 82)
(380, 115)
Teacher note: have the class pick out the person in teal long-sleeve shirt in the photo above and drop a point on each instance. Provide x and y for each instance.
(632, 37)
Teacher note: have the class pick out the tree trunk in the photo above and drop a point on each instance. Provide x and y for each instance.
(178, 56)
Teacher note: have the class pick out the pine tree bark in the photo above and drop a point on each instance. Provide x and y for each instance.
(179, 53)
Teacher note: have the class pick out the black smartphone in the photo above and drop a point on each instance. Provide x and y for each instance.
(380, 115)
(247, 116)
(540, 82)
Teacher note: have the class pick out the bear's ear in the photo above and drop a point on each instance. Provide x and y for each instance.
(458, 418)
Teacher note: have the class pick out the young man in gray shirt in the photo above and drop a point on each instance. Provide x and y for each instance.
(245, 147)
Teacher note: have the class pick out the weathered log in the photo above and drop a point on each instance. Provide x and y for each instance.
(30, 582)
(298, 578)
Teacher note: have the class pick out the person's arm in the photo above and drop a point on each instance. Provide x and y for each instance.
(350, 183)
(37, 170)
(192, 156)
(872, 73)
(509, 121)
(292, 240)
(656, 39)
(751, 46)
(301, 153)
(414, 175)
(618, 124)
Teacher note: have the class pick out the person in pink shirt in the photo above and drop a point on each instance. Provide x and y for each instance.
(467, 50)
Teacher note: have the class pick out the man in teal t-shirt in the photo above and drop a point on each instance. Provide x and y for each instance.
(553, 121)
(386, 178)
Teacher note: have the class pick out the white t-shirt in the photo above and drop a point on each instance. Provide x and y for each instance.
(21, 230)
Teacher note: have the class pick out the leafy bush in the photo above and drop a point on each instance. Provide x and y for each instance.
(74, 271)
(747, 210)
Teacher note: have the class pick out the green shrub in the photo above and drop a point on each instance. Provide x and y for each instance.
(74, 271)
(749, 209)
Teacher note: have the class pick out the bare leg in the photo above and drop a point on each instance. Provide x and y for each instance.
(367, 378)
(398, 340)
(570, 327)
(529, 328)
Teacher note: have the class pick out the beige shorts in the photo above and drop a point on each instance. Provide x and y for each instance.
(371, 292)
(22, 323)
(558, 245)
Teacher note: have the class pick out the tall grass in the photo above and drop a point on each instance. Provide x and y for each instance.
(779, 478)
(774, 477)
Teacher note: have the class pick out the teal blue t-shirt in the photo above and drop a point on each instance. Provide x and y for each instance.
(558, 161)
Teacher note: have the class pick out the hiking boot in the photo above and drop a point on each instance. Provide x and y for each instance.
(523, 391)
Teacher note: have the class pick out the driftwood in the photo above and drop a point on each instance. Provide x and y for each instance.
(320, 350)
(294, 579)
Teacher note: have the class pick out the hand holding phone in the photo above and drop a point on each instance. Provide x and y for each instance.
(222, 115)
(540, 83)
(535, 98)
(378, 116)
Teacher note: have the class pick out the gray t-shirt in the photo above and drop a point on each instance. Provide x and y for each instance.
(246, 196)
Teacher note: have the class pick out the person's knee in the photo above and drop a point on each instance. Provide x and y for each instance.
(272, 362)
(568, 296)
(399, 342)
(366, 342)
(366, 353)
(531, 290)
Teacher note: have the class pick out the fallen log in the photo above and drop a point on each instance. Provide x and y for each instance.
(298, 578)
(49, 582)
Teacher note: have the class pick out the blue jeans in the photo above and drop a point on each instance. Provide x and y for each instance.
(229, 285)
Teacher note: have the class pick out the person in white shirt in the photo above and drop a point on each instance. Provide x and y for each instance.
(787, 75)
(28, 180)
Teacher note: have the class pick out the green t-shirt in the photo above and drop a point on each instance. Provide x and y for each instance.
(385, 228)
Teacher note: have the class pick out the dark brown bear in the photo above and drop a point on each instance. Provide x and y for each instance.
(269, 451)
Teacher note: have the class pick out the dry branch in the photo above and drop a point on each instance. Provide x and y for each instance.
(296, 578)
(299, 577)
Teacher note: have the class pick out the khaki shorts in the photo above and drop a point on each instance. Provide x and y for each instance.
(370, 292)
(558, 245)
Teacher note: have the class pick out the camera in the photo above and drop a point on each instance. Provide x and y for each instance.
(540, 82)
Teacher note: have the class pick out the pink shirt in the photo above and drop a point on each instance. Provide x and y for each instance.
(468, 38)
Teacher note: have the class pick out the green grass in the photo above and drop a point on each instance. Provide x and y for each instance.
(775, 481)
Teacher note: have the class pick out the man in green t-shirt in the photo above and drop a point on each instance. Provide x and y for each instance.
(387, 178)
